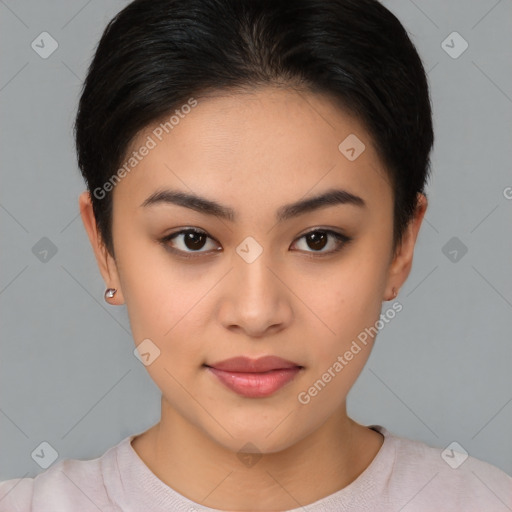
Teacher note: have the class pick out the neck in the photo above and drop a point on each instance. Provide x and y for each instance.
(193, 464)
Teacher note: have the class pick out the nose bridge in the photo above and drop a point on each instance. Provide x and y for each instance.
(252, 276)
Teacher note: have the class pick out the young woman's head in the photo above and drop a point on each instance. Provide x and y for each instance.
(256, 173)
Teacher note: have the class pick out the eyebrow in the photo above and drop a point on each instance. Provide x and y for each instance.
(331, 197)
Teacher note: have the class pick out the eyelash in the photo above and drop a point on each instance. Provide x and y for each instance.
(342, 240)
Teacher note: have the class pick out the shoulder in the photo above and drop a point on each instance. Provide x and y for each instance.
(70, 484)
(446, 479)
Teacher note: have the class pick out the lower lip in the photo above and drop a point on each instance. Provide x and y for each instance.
(255, 385)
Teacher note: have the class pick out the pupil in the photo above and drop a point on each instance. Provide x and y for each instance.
(318, 240)
(191, 240)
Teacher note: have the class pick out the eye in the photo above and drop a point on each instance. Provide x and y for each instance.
(186, 242)
(318, 239)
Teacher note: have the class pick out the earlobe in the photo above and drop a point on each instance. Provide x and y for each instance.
(104, 259)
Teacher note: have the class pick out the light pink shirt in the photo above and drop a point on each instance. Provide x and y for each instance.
(404, 476)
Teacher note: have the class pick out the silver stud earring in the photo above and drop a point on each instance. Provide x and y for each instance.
(109, 293)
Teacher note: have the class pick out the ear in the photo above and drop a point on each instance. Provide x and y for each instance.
(105, 260)
(401, 265)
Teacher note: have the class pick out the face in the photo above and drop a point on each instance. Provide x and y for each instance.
(256, 278)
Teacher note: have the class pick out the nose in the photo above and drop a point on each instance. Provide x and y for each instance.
(255, 301)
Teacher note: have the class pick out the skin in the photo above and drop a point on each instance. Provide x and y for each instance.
(255, 151)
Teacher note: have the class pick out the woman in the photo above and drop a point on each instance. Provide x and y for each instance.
(256, 175)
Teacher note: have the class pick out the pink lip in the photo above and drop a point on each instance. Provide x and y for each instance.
(248, 365)
(255, 378)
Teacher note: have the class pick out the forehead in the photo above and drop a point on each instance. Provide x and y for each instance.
(277, 142)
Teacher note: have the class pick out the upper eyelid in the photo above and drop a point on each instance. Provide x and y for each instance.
(202, 232)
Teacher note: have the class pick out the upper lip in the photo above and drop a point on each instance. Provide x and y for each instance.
(248, 365)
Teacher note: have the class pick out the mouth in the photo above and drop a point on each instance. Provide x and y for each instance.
(254, 378)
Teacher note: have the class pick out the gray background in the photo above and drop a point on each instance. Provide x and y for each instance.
(440, 371)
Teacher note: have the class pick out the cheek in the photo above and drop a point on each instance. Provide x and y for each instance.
(347, 306)
(346, 302)
(159, 298)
